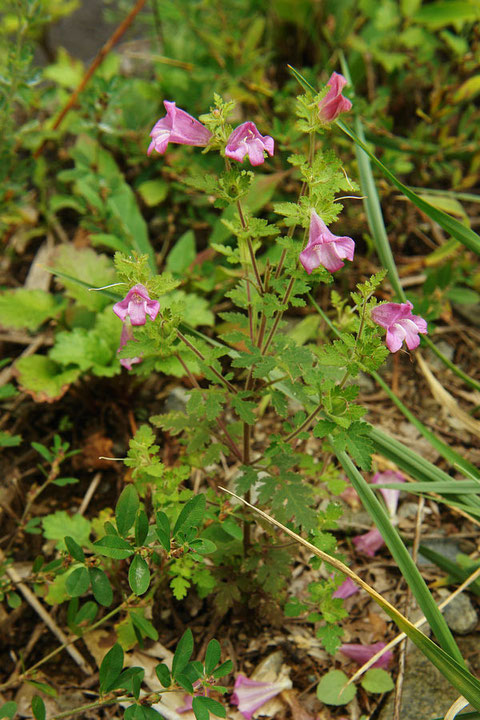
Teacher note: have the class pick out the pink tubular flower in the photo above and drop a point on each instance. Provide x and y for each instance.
(369, 542)
(325, 248)
(177, 127)
(362, 653)
(250, 695)
(334, 103)
(390, 496)
(246, 140)
(127, 335)
(137, 305)
(346, 589)
(400, 324)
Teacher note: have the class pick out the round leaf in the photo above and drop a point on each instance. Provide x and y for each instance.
(377, 681)
(329, 689)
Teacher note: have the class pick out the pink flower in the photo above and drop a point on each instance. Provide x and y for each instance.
(246, 140)
(127, 335)
(346, 589)
(250, 695)
(177, 127)
(362, 653)
(390, 496)
(137, 305)
(325, 248)
(334, 103)
(369, 542)
(400, 324)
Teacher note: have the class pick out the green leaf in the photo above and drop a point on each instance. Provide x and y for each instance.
(113, 547)
(91, 269)
(43, 451)
(332, 691)
(43, 687)
(377, 681)
(441, 13)
(8, 709)
(163, 674)
(101, 588)
(29, 308)
(110, 669)
(212, 656)
(126, 509)
(402, 558)
(38, 708)
(202, 706)
(244, 408)
(183, 652)
(59, 524)
(8, 440)
(74, 549)
(223, 669)
(144, 625)
(61, 482)
(78, 582)
(163, 529)
(191, 514)
(153, 192)
(139, 575)
(452, 226)
(182, 255)
(203, 546)
(44, 379)
(141, 528)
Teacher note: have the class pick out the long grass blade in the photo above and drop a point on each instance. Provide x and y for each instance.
(453, 227)
(402, 557)
(452, 669)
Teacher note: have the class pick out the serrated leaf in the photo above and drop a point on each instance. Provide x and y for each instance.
(126, 509)
(139, 575)
(29, 309)
(60, 523)
(44, 379)
(244, 408)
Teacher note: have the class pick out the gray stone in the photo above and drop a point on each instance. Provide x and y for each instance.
(426, 693)
(445, 349)
(176, 400)
(448, 548)
(460, 615)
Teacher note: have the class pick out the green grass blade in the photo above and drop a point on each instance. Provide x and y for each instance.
(302, 81)
(458, 573)
(454, 671)
(466, 378)
(453, 227)
(402, 557)
(453, 487)
(454, 458)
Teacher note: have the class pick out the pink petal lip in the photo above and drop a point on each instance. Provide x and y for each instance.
(391, 495)
(250, 695)
(324, 248)
(246, 140)
(369, 542)
(362, 653)
(177, 127)
(346, 589)
(333, 104)
(137, 304)
(400, 325)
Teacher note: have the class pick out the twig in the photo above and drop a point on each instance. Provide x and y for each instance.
(48, 620)
(89, 494)
(101, 55)
(7, 374)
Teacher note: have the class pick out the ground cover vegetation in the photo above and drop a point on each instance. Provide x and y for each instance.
(234, 247)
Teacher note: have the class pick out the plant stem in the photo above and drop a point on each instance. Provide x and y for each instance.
(201, 357)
